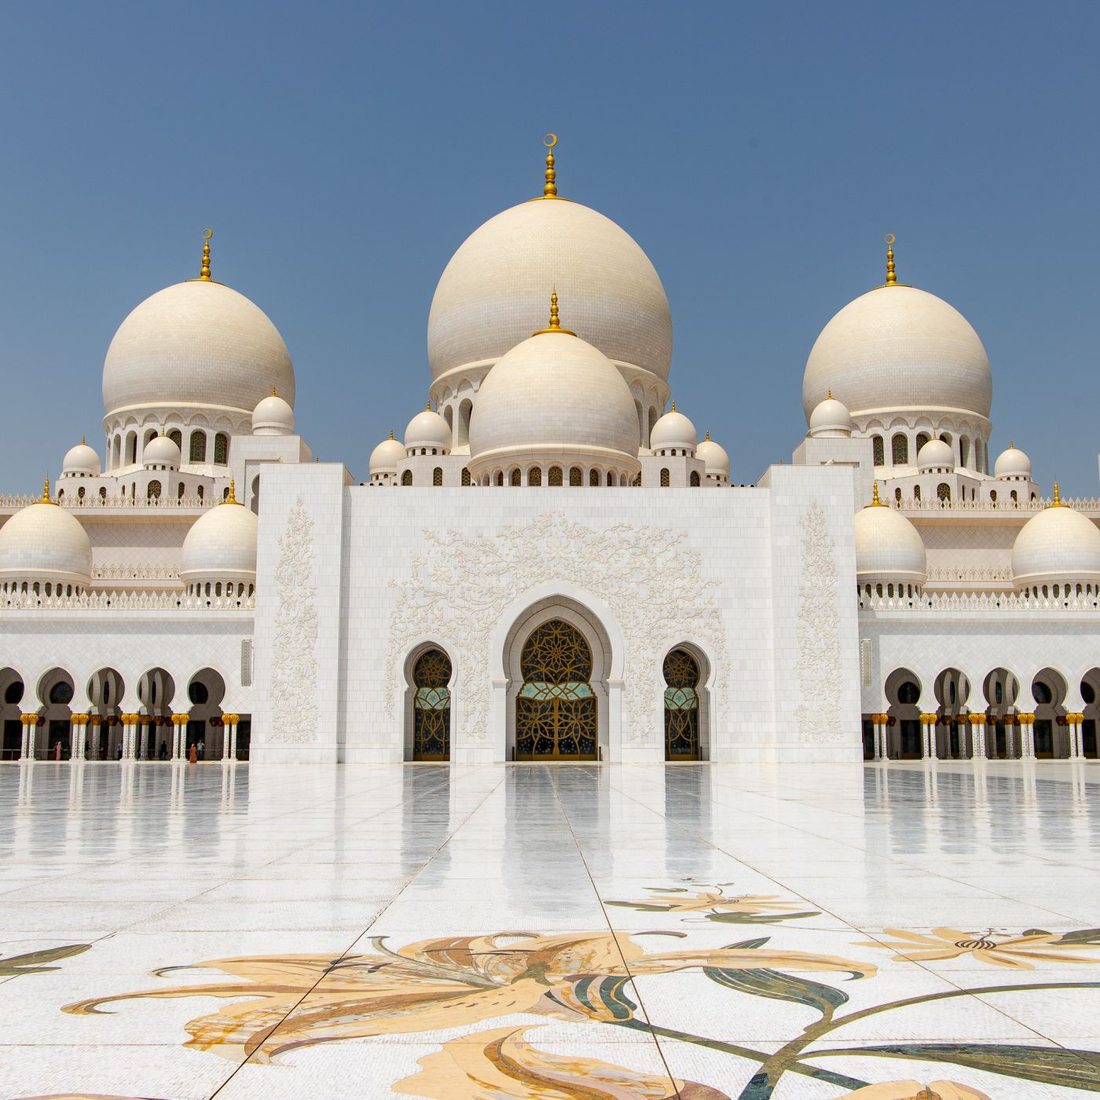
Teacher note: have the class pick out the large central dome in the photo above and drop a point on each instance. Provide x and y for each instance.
(500, 276)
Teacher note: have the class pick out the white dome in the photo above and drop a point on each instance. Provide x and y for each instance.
(899, 349)
(81, 461)
(498, 280)
(715, 460)
(1012, 463)
(428, 429)
(888, 548)
(830, 418)
(221, 546)
(673, 432)
(556, 396)
(936, 455)
(195, 345)
(385, 457)
(273, 416)
(1056, 545)
(42, 542)
(161, 451)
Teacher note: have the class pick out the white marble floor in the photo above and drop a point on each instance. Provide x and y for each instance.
(701, 931)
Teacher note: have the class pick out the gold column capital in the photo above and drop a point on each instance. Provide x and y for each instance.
(928, 719)
(130, 719)
(180, 719)
(79, 719)
(29, 719)
(1075, 718)
(231, 719)
(976, 719)
(1025, 718)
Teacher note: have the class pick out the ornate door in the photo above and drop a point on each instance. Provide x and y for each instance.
(681, 706)
(432, 706)
(556, 710)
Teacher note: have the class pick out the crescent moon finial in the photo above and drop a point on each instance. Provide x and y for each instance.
(550, 188)
(204, 271)
(550, 140)
(890, 238)
(891, 272)
(207, 234)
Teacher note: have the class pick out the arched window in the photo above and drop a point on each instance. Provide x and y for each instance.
(80, 493)
(465, 476)
(576, 477)
(964, 451)
(922, 438)
(916, 492)
(897, 495)
(103, 492)
(221, 449)
(534, 475)
(694, 482)
(664, 477)
(610, 478)
(152, 491)
(200, 492)
(878, 451)
(515, 478)
(131, 448)
(993, 496)
(555, 475)
(556, 712)
(593, 477)
(197, 450)
(499, 479)
(900, 449)
(437, 476)
(225, 493)
(943, 491)
(681, 672)
(432, 706)
(407, 477)
(176, 437)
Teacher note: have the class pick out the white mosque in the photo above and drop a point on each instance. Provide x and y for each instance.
(550, 565)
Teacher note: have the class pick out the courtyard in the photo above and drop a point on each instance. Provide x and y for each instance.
(704, 931)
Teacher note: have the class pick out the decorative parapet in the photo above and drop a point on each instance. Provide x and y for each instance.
(978, 601)
(96, 503)
(135, 571)
(126, 601)
(947, 575)
(1088, 505)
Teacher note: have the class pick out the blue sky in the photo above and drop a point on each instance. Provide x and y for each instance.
(757, 153)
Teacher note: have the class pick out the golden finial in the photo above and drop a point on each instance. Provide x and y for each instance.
(204, 271)
(875, 502)
(274, 392)
(391, 433)
(84, 441)
(1012, 443)
(550, 188)
(708, 436)
(555, 319)
(829, 396)
(1057, 501)
(46, 492)
(673, 409)
(429, 408)
(891, 273)
(232, 498)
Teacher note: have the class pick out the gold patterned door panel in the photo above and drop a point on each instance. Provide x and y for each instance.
(557, 716)
(432, 707)
(681, 706)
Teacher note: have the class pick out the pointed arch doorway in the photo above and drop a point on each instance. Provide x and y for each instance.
(557, 713)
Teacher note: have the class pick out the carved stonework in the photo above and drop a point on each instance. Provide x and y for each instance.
(294, 661)
(649, 577)
(818, 634)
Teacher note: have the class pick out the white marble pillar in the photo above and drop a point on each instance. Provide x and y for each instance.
(1027, 735)
(129, 735)
(1073, 722)
(30, 732)
(928, 736)
(78, 738)
(977, 736)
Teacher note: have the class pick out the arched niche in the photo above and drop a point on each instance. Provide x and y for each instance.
(429, 703)
(685, 672)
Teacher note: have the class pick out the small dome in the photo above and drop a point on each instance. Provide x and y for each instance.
(42, 542)
(80, 461)
(674, 432)
(889, 548)
(196, 345)
(714, 457)
(557, 396)
(936, 455)
(1012, 463)
(897, 349)
(428, 429)
(385, 457)
(162, 451)
(830, 418)
(1056, 545)
(221, 545)
(273, 416)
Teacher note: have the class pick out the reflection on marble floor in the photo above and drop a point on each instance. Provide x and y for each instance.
(707, 932)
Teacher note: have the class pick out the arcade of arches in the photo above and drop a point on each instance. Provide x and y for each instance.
(990, 720)
(170, 722)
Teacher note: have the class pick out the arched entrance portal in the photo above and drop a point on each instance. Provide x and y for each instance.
(556, 711)
(432, 706)
(681, 672)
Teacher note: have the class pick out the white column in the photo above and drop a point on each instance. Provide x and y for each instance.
(927, 735)
(977, 736)
(1027, 736)
(30, 725)
(179, 731)
(129, 735)
(1073, 721)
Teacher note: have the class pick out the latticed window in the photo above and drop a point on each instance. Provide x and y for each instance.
(575, 476)
(916, 492)
(221, 448)
(465, 476)
(179, 491)
(153, 491)
(432, 706)
(534, 475)
(555, 475)
(437, 476)
(878, 451)
(201, 492)
(681, 672)
(407, 477)
(103, 492)
(694, 482)
(664, 478)
(514, 477)
(943, 491)
(556, 711)
(897, 495)
(198, 447)
(922, 438)
(176, 436)
(900, 449)
(593, 477)
(610, 478)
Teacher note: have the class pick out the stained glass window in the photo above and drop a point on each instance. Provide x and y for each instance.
(432, 706)
(681, 672)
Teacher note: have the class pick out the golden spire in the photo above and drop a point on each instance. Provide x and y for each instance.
(708, 436)
(46, 492)
(875, 502)
(232, 498)
(429, 408)
(391, 433)
(274, 392)
(1057, 501)
(204, 271)
(550, 188)
(555, 320)
(829, 396)
(84, 441)
(891, 273)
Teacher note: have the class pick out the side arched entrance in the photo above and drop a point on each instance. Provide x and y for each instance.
(431, 706)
